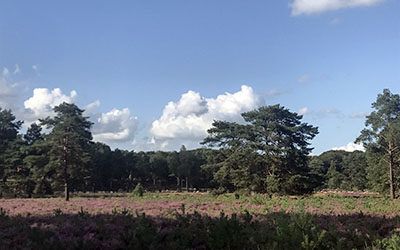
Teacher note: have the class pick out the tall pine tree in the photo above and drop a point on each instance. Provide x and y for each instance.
(70, 139)
(381, 137)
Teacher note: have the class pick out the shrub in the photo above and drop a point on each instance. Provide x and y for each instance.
(219, 191)
(138, 191)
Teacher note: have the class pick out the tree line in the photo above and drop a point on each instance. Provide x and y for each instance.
(268, 153)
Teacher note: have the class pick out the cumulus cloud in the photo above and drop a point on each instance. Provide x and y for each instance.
(188, 119)
(303, 111)
(43, 100)
(309, 7)
(117, 125)
(351, 147)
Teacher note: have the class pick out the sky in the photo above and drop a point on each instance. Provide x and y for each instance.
(153, 75)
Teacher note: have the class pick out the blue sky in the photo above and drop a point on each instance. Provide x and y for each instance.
(327, 59)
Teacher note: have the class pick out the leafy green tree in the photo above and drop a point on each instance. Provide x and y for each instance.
(189, 166)
(174, 168)
(102, 166)
(334, 175)
(33, 134)
(340, 169)
(275, 144)
(9, 128)
(283, 141)
(158, 168)
(355, 171)
(70, 139)
(381, 137)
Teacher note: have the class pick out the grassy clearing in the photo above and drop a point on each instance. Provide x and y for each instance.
(205, 203)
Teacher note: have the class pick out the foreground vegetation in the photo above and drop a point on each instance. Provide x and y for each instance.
(201, 221)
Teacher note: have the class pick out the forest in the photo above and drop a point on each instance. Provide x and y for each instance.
(267, 153)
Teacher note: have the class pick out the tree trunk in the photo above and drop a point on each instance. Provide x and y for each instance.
(391, 176)
(66, 191)
(66, 177)
(187, 183)
(178, 183)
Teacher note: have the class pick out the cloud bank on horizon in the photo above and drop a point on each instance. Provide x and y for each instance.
(183, 122)
(310, 7)
(351, 147)
(112, 127)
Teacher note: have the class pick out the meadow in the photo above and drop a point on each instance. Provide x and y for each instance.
(169, 220)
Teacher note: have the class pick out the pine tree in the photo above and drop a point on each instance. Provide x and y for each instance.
(268, 153)
(70, 139)
(381, 137)
(9, 128)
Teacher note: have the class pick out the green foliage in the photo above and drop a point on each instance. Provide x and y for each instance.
(381, 137)
(138, 191)
(268, 154)
(218, 191)
(8, 145)
(390, 243)
(337, 169)
(69, 141)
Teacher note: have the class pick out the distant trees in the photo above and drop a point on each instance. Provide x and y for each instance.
(267, 154)
(381, 137)
(336, 169)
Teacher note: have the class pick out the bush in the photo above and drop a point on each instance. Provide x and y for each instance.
(219, 191)
(138, 191)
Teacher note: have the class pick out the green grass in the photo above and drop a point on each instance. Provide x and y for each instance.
(313, 204)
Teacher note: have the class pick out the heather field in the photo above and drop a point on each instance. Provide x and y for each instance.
(326, 220)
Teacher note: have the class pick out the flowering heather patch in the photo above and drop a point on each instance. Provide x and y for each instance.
(199, 221)
(194, 231)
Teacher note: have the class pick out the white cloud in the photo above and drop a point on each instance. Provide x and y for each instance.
(91, 108)
(358, 115)
(308, 7)
(16, 69)
(117, 125)
(188, 119)
(43, 101)
(350, 147)
(6, 72)
(303, 111)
